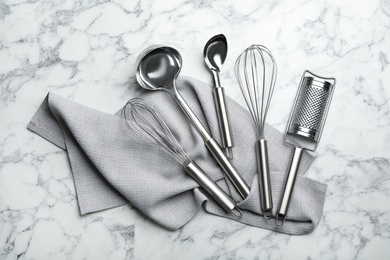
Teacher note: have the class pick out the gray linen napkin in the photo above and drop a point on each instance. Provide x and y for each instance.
(113, 166)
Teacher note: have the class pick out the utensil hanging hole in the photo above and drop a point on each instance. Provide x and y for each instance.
(267, 214)
(229, 153)
(279, 219)
(237, 212)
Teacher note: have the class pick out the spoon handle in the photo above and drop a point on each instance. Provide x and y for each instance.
(212, 145)
(223, 116)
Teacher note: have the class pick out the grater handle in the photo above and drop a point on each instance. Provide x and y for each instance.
(289, 186)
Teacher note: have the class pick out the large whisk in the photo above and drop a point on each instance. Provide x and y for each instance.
(256, 72)
(140, 116)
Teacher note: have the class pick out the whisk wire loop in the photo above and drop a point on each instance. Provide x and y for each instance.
(257, 81)
(252, 73)
(147, 122)
(140, 117)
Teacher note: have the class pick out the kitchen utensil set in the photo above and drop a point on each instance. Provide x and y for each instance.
(255, 69)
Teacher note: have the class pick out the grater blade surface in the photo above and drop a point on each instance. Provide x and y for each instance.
(309, 111)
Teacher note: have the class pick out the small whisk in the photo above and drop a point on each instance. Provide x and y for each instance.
(256, 72)
(140, 116)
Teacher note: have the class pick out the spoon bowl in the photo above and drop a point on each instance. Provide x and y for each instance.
(215, 52)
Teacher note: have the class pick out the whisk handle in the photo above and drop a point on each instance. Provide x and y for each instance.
(289, 186)
(212, 188)
(228, 168)
(264, 178)
(223, 120)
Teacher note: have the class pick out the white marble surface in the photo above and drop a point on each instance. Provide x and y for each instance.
(86, 50)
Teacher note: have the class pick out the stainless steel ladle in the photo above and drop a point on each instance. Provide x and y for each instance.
(157, 69)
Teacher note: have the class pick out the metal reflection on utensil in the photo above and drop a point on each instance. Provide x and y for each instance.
(304, 128)
(214, 54)
(164, 58)
(140, 116)
(256, 72)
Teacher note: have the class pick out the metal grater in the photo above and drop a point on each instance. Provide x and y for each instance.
(309, 111)
(304, 128)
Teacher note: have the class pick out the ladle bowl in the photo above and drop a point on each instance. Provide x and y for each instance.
(158, 67)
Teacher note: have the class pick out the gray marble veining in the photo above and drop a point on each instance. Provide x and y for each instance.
(86, 50)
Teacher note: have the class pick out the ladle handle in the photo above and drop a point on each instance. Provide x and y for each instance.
(238, 182)
(213, 147)
(212, 188)
(191, 116)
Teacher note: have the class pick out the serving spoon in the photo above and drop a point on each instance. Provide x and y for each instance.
(157, 69)
(214, 54)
